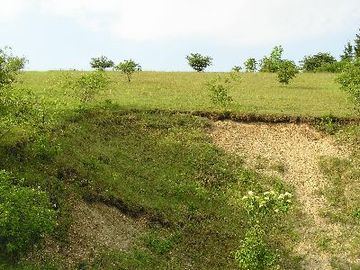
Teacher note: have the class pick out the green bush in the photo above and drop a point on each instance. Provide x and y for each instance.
(287, 71)
(250, 65)
(349, 79)
(253, 253)
(220, 87)
(90, 84)
(199, 62)
(272, 62)
(10, 66)
(101, 63)
(314, 62)
(128, 67)
(236, 69)
(25, 216)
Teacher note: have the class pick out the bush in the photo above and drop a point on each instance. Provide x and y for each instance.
(287, 71)
(219, 89)
(90, 84)
(128, 67)
(236, 69)
(335, 67)
(250, 65)
(10, 66)
(349, 79)
(101, 63)
(253, 253)
(25, 216)
(271, 63)
(314, 62)
(199, 62)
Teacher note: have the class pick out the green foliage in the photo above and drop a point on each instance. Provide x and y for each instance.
(253, 253)
(236, 69)
(90, 84)
(101, 63)
(220, 87)
(25, 216)
(199, 62)
(128, 67)
(357, 45)
(250, 65)
(10, 66)
(314, 62)
(272, 63)
(348, 54)
(335, 67)
(349, 79)
(287, 71)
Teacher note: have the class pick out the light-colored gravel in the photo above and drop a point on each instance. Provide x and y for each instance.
(298, 149)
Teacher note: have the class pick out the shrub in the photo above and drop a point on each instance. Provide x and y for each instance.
(250, 65)
(271, 63)
(90, 84)
(335, 67)
(287, 71)
(10, 66)
(236, 69)
(25, 216)
(101, 63)
(349, 79)
(219, 89)
(313, 62)
(253, 253)
(199, 62)
(128, 67)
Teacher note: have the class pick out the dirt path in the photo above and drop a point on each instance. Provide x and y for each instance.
(295, 149)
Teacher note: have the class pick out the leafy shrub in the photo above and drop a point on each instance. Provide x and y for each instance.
(220, 87)
(90, 84)
(314, 62)
(199, 62)
(10, 66)
(287, 71)
(236, 69)
(349, 79)
(253, 253)
(25, 216)
(128, 67)
(271, 63)
(335, 67)
(101, 63)
(250, 65)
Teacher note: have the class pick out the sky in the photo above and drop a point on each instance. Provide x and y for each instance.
(158, 34)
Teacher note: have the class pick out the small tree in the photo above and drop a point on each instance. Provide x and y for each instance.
(349, 79)
(313, 62)
(236, 69)
(287, 71)
(199, 62)
(357, 45)
(10, 66)
(101, 63)
(250, 65)
(271, 63)
(348, 54)
(90, 84)
(128, 67)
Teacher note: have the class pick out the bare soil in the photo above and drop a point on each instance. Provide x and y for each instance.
(291, 151)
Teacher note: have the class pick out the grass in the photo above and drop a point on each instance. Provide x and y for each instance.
(161, 166)
(258, 93)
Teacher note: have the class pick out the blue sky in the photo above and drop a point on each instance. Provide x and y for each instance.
(158, 34)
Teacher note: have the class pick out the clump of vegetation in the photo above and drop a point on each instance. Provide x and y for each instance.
(287, 71)
(128, 67)
(199, 62)
(10, 66)
(313, 63)
(250, 65)
(272, 62)
(236, 69)
(220, 87)
(101, 63)
(26, 216)
(253, 253)
(349, 79)
(90, 84)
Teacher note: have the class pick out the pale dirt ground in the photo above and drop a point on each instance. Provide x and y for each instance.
(297, 149)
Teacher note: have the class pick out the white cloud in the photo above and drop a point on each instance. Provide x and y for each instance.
(248, 22)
